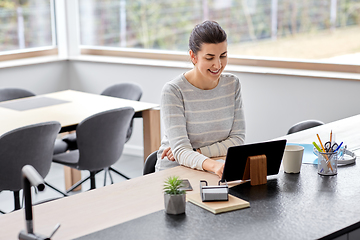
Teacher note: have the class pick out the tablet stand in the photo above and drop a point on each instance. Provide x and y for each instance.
(256, 170)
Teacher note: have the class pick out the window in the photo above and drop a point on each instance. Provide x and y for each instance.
(149, 24)
(26, 24)
(319, 30)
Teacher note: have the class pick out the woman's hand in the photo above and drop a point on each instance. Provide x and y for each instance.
(213, 166)
(168, 153)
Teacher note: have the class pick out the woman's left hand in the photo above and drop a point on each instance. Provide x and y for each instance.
(168, 153)
(213, 166)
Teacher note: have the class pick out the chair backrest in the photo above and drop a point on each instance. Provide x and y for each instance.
(14, 93)
(101, 138)
(129, 91)
(33, 145)
(300, 126)
(149, 166)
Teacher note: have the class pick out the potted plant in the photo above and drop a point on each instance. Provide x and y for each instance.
(174, 198)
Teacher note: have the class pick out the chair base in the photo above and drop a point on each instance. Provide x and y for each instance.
(57, 190)
(17, 204)
(17, 200)
(92, 179)
(92, 182)
(119, 173)
(107, 170)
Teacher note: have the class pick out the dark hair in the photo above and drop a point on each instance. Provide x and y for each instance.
(206, 32)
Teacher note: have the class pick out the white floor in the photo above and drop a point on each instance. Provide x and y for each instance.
(131, 166)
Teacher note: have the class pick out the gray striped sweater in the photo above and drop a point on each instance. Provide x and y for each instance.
(211, 120)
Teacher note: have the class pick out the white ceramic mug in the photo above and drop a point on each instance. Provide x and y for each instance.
(292, 158)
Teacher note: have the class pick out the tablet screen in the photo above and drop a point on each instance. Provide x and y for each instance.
(237, 156)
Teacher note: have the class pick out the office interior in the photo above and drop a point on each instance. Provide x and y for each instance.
(274, 98)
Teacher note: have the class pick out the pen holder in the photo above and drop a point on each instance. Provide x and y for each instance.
(327, 163)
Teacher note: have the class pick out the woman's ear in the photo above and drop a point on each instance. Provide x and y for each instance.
(192, 57)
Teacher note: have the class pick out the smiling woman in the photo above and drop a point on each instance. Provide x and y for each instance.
(202, 108)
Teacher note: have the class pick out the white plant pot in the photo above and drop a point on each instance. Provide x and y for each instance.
(175, 204)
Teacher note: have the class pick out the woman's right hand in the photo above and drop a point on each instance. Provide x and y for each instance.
(168, 153)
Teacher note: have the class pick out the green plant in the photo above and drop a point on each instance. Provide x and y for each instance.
(172, 185)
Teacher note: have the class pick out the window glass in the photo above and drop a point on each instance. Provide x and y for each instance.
(150, 24)
(25, 24)
(326, 30)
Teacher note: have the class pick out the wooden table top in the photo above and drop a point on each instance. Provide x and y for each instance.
(104, 207)
(79, 105)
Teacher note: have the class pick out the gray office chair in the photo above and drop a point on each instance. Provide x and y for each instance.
(300, 126)
(130, 91)
(60, 146)
(150, 162)
(15, 93)
(33, 145)
(100, 139)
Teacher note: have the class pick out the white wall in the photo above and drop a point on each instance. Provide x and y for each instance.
(37, 78)
(272, 102)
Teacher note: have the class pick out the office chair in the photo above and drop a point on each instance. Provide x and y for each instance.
(29, 145)
(130, 91)
(60, 146)
(300, 126)
(15, 93)
(150, 162)
(100, 139)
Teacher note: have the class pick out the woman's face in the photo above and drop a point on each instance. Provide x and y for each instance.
(211, 60)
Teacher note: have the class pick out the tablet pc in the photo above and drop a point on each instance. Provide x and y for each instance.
(236, 158)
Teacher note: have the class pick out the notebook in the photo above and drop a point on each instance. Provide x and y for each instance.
(233, 203)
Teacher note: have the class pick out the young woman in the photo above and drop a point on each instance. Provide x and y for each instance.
(202, 109)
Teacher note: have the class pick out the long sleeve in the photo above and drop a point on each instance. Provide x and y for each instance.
(173, 115)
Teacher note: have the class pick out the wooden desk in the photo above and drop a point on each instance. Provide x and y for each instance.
(92, 211)
(76, 107)
(95, 210)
